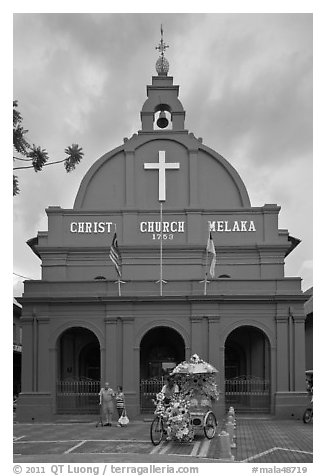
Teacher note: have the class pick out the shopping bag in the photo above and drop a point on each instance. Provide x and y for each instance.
(123, 420)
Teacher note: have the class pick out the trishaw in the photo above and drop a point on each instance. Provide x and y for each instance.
(308, 413)
(190, 410)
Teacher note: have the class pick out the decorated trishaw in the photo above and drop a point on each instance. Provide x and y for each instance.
(190, 409)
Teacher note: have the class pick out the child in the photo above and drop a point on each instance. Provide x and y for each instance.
(120, 402)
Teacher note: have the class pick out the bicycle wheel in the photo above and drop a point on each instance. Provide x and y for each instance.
(157, 431)
(210, 425)
(307, 416)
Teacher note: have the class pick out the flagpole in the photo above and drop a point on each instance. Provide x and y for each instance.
(119, 282)
(205, 280)
(161, 280)
(117, 265)
(161, 250)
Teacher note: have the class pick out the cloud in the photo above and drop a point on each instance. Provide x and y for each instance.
(257, 95)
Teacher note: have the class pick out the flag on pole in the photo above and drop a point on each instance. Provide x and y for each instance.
(211, 250)
(114, 254)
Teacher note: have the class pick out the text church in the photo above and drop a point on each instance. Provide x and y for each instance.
(129, 315)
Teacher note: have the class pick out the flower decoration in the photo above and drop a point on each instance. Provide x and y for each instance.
(204, 402)
(176, 418)
(199, 387)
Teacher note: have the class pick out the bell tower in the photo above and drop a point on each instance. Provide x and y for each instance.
(162, 97)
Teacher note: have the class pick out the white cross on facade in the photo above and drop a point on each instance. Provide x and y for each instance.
(161, 166)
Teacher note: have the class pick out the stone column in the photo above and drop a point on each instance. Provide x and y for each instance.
(273, 375)
(43, 363)
(35, 401)
(221, 382)
(110, 371)
(103, 362)
(35, 353)
(290, 396)
(27, 356)
(130, 361)
(196, 335)
(53, 373)
(136, 367)
(128, 374)
(299, 353)
(213, 341)
(213, 355)
(282, 354)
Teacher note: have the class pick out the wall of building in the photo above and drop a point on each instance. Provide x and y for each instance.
(203, 323)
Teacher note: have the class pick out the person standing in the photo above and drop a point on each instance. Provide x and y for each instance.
(106, 401)
(120, 402)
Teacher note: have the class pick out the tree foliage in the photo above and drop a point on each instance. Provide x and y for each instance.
(35, 156)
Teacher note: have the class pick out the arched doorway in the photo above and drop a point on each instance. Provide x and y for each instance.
(79, 371)
(89, 361)
(161, 349)
(247, 366)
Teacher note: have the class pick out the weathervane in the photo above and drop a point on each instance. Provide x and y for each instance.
(162, 46)
(162, 64)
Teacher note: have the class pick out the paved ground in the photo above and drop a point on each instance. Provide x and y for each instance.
(258, 440)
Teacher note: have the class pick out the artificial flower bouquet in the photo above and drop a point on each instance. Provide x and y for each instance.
(176, 417)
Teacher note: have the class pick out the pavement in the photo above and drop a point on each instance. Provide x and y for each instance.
(258, 439)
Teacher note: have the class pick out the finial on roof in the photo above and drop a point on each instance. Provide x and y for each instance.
(162, 64)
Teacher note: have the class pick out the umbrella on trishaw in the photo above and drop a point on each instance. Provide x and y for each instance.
(195, 365)
(197, 378)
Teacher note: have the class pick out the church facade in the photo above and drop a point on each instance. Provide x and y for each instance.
(164, 193)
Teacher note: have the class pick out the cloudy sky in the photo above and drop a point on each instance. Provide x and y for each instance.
(245, 83)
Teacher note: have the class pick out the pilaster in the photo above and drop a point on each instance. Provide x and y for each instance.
(213, 341)
(299, 352)
(43, 362)
(128, 375)
(282, 363)
(110, 372)
(27, 360)
(196, 335)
